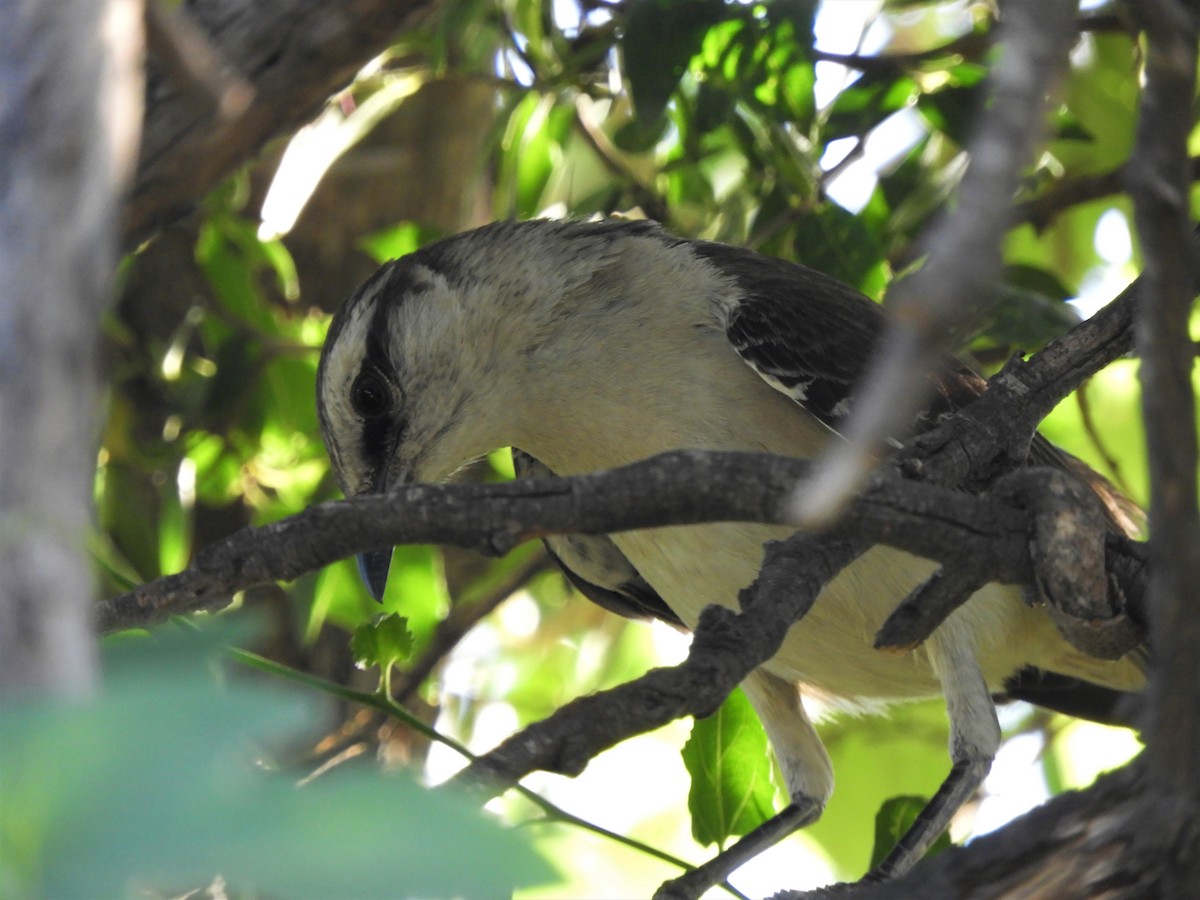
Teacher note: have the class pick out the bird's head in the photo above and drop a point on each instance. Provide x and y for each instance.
(401, 396)
(428, 365)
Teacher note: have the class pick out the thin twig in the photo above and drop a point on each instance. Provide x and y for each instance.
(1041, 211)
(381, 703)
(956, 285)
(461, 619)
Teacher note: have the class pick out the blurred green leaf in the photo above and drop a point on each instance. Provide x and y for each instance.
(417, 588)
(836, 242)
(398, 240)
(639, 135)
(729, 760)
(1100, 98)
(163, 752)
(1030, 310)
(384, 641)
(339, 598)
(867, 102)
(903, 752)
(661, 37)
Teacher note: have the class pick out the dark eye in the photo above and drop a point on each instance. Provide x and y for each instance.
(369, 396)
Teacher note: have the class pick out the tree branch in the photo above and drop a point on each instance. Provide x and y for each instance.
(1158, 178)
(294, 54)
(958, 281)
(1045, 207)
(1077, 846)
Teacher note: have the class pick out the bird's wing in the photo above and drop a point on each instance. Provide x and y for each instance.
(596, 567)
(811, 337)
(1073, 696)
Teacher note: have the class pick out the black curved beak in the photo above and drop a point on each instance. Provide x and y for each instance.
(373, 569)
(374, 564)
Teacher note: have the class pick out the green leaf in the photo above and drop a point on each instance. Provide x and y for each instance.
(398, 240)
(1030, 309)
(892, 822)
(661, 37)
(383, 641)
(154, 787)
(834, 241)
(730, 764)
(877, 757)
(866, 103)
(639, 135)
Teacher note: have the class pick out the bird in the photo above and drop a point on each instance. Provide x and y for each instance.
(588, 345)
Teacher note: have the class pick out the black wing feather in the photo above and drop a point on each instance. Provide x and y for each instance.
(807, 334)
(596, 567)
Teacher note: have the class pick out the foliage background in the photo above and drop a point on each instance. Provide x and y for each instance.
(827, 133)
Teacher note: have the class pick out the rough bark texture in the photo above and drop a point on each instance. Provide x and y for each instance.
(68, 125)
(1079, 846)
(1158, 180)
(293, 53)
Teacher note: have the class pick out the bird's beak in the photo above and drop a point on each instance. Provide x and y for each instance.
(374, 564)
(373, 569)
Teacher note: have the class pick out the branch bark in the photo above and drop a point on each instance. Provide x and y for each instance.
(294, 54)
(1159, 182)
(1078, 846)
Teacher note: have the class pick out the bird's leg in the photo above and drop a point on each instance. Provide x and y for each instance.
(974, 739)
(807, 773)
(691, 885)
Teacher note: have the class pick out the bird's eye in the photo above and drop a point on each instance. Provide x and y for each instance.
(369, 396)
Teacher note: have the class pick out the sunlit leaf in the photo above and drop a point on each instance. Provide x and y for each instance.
(397, 241)
(730, 764)
(384, 641)
(340, 598)
(903, 752)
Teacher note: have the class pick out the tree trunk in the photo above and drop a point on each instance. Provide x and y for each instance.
(69, 117)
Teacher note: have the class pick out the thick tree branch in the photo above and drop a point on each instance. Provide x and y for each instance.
(1159, 180)
(677, 488)
(1004, 419)
(1075, 847)
(294, 54)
